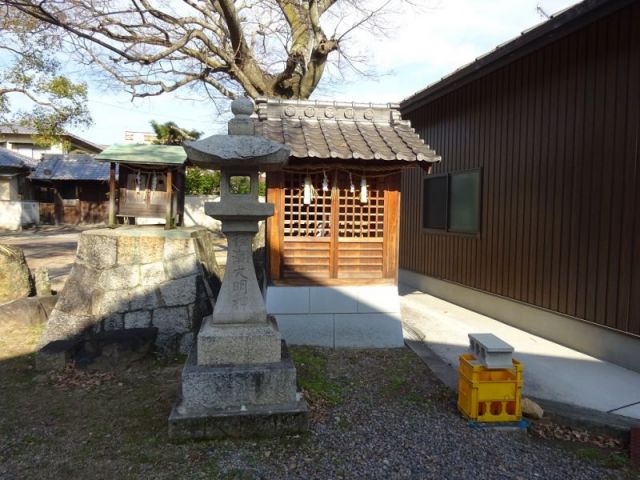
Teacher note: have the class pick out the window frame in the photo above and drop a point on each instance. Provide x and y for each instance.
(447, 230)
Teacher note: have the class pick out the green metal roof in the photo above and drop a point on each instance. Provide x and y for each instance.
(144, 154)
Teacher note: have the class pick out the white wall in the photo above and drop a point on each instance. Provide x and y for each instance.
(194, 212)
(23, 144)
(8, 188)
(16, 214)
(338, 317)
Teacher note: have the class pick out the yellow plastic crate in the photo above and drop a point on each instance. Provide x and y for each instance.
(489, 395)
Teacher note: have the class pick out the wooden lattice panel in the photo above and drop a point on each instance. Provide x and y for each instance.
(357, 219)
(300, 220)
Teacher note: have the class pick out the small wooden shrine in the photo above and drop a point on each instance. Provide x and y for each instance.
(71, 188)
(337, 202)
(150, 185)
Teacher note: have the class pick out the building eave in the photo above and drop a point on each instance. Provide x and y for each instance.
(559, 25)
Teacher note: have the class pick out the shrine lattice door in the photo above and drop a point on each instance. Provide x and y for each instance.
(336, 238)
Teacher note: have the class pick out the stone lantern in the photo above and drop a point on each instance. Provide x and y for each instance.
(239, 379)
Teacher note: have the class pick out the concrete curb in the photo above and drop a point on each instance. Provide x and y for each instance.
(610, 424)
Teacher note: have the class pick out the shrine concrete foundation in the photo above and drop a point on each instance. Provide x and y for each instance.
(338, 317)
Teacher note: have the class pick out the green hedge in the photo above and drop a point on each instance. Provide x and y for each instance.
(207, 182)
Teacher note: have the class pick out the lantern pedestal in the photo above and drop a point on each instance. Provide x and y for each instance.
(238, 343)
(238, 400)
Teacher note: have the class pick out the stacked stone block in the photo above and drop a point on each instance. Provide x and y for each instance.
(136, 278)
(15, 278)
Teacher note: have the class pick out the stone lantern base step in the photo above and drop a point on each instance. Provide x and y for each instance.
(254, 421)
(238, 400)
(233, 385)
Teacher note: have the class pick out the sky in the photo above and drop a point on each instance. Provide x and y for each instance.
(431, 41)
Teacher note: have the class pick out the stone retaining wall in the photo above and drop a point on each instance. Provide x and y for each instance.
(137, 277)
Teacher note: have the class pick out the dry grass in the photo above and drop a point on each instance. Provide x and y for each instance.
(84, 424)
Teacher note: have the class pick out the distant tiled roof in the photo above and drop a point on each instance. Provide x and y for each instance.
(15, 129)
(144, 154)
(341, 131)
(13, 159)
(70, 167)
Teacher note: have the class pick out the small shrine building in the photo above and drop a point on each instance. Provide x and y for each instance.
(332, 244)
(150, 185)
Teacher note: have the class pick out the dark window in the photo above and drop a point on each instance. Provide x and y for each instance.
(45, 195)
(452, 202)
(434, 211)
(68, 191)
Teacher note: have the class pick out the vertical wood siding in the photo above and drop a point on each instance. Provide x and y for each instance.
(557, 136)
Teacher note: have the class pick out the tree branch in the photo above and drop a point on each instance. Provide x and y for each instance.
(30, 96)
(158, 46)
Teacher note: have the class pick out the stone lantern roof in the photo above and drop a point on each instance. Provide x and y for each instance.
(241, 148)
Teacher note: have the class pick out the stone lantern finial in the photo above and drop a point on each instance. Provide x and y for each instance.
(241, 124)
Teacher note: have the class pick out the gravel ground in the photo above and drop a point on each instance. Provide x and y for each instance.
(374, 414)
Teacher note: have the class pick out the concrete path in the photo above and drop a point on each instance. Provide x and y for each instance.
(551, 371)
(51, 247)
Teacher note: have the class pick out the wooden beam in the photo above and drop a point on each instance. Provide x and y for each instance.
(335, 226)
(274, 235)
(391, 226)
(169, 217)
(112, 195)
(180, 187)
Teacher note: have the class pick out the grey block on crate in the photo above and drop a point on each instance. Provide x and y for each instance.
(491, 351)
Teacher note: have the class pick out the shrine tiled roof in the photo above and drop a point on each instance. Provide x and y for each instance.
(15, 160)
(341, 131)
(70, 167)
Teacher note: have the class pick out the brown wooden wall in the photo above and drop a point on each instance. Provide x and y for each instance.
(90, 206)
(556, 134)
(149, 203)
(74, 212)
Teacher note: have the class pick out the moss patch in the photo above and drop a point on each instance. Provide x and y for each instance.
(311, 366)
